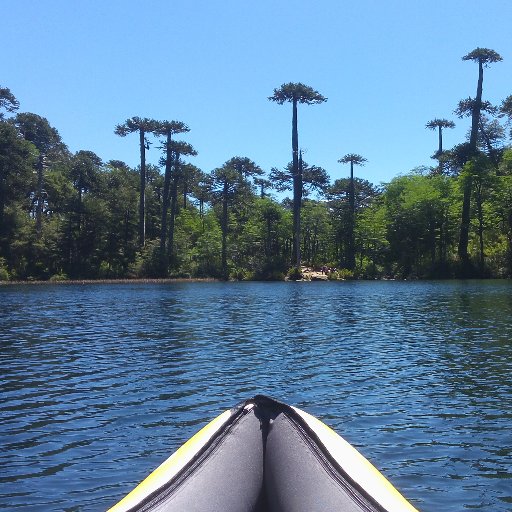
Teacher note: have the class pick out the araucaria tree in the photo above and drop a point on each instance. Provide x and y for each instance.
(47, 140)
(296, 93)
(167, 129)
(439, 124)
(143, 127)
(353, 159)
(8, 102)
(484, 57)
(179, 149)
(228, 182)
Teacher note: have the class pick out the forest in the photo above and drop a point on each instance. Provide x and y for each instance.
(67, 216)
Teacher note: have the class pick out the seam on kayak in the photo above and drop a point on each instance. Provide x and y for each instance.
(335, 471)
(164, 492)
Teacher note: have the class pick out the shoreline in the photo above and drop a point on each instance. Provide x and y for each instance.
(114, 281)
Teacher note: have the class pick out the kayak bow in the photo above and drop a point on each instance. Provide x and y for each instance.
(264, 455)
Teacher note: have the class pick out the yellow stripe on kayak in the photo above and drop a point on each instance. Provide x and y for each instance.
(360, 469)
(173, 465)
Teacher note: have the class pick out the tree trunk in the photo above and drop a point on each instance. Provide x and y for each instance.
(464, 224)
(39, 203)
(297, 188)
(442, 250)
(224, 230)
(475, 114)
(2, 207)
(351, 257)
(165, 200)
(174, 206)
(268, 243)
(433, 243)
(466, 203)
(480, 214)
(142, 197)
(440, 150)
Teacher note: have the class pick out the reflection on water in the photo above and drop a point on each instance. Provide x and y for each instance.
(100, 383)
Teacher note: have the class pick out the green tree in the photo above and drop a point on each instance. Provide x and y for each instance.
(418, 223)
(506, 111)
(142, 126)
(167, 129)
(316, 224)
(264, 184)
(314, 178)
(296, 93)
(339, 202)
(502, 203)
(229, 183)
(371, 235)
(8, 102)
(202, 191)
(208, 246)
(191, 176)
(275, 223)
(48, 142)
(439, 125)
(482, 173)
(490, 132)
(120, 194)
(353, 159)
(17, 158)
(85, 176)
(179, 149)
(85, 167)
(483, 57)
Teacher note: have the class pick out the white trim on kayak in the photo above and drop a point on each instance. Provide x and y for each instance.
(173, 465)
(357, 466)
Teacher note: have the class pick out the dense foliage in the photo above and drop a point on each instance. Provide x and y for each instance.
(73, 216)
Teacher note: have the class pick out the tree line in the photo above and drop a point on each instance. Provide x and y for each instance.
(70, 215)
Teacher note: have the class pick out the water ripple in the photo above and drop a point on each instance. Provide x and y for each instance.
(100, 383)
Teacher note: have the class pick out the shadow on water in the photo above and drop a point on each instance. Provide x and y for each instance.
(100, 383)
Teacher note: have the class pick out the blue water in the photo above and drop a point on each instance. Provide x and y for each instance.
(100, 383)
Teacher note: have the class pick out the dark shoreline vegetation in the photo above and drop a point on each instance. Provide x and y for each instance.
(68, 217)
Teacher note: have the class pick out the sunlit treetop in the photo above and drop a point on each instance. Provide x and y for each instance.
(439, 123)
(352, 158)
(7, 101)
(243, 166)
(135, 124)
(183, 148)
(297, 92)
(313, 177)
(166, 127)
(37, 130)
(484, 56)
(118, 164)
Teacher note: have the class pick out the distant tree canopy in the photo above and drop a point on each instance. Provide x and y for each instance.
(67, 215)
(8, 102)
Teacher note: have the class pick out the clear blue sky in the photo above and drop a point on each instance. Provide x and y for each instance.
(386, 67)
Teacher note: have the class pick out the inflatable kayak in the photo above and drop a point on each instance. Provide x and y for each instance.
(264, 455)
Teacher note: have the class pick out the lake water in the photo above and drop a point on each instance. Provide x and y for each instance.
(100, 383)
